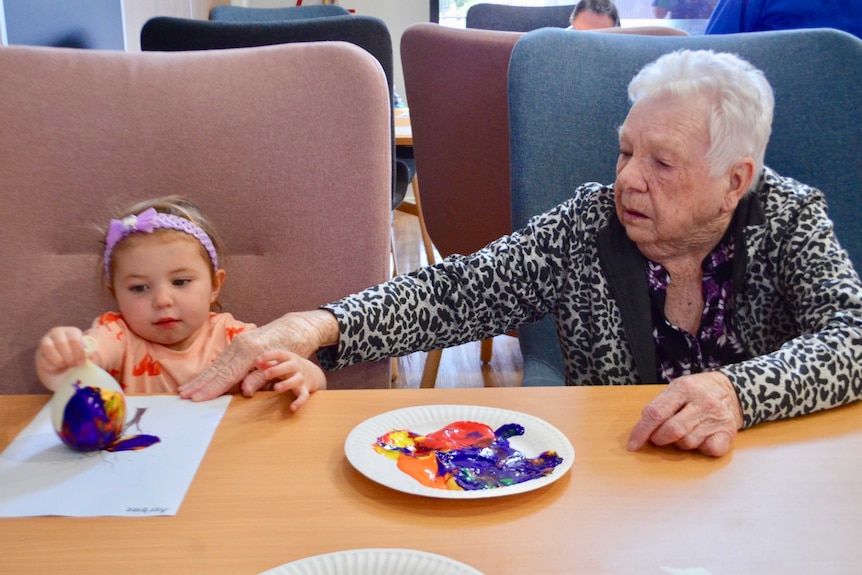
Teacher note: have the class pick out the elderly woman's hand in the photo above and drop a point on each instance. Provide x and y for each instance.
(301, 332)
(700, 411)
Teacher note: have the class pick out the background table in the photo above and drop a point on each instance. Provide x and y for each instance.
(275, 486)
(403, 129)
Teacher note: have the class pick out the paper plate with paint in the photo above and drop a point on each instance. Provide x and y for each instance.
(459, 451)
(375, 562)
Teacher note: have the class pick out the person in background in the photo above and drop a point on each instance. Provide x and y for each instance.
(732, 16)
(162, 265)
(682, 9)
(594, 15)
(700, 267)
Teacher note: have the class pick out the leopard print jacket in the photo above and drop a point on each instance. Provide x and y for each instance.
(797, 300)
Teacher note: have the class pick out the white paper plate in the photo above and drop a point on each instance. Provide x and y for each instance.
(374, 562)
(538, 436)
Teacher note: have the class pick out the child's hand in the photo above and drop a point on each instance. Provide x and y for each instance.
(60, 349)
(292, 372)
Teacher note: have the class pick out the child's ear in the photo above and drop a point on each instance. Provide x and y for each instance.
(218, 281)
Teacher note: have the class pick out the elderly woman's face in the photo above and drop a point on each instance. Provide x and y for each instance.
(664, 194)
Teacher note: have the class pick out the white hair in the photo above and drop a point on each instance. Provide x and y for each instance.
(741, 101)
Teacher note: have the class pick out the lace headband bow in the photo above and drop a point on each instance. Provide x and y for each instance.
(146, 222)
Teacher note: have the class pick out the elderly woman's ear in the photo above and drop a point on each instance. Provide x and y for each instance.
(739, 179)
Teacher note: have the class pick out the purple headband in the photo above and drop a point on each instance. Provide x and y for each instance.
(146, 222)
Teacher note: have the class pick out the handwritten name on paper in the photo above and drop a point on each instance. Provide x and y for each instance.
(147, 510)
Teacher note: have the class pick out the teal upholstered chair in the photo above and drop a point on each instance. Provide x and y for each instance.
(567, 96)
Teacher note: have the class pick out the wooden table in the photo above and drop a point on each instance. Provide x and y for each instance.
(275, 487)
(403, 129)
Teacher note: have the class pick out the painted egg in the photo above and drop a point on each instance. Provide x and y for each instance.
(88, 409)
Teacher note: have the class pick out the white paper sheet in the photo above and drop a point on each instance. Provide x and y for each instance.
(39, 475)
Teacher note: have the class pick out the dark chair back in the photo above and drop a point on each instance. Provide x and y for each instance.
(518, 18)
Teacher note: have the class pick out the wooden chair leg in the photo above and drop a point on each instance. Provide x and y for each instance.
(394, 369)
(392, 251)
(426, 239)
(432, 366)
(487, 350)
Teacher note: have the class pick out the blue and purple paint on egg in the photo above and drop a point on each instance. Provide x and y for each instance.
(88, 409)
(465, 455)
(94, 419)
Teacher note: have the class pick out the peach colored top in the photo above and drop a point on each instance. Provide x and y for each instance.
(142, 366)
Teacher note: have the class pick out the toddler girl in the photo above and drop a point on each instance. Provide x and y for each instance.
(161, 264)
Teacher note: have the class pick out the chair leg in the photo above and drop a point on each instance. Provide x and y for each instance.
(432, 365)
(426, 239)
(487, 350)
(392, 251)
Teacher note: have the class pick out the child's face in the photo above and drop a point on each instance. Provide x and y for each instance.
(164, 288)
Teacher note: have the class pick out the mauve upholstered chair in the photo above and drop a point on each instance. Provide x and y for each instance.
(455, 80)
(568, 95)
(287, 148)
(167, 34)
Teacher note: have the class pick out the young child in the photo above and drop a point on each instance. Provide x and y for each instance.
(161, 264)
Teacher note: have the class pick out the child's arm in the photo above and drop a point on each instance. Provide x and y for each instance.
(60, 349)
(293, 372)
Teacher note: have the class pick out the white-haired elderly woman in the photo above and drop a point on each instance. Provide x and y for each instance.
(698, 267)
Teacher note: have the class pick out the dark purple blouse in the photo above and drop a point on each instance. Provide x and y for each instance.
(716, 343)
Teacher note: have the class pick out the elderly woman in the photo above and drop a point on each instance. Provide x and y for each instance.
(699, 267)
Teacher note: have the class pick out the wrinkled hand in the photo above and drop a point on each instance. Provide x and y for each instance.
(59, 349)
(302, 333)
(292, 372)
(700, 411)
